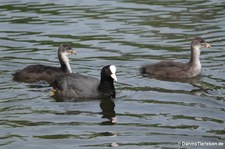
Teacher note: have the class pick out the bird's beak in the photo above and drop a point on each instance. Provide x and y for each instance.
(206, 45)
(114, 77)
(72, 52)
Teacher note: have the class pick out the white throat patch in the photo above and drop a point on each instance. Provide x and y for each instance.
(66, 61)
(64, 57)
(197, 53)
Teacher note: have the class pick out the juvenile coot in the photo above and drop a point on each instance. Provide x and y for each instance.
(178, 70)
(35, 73)
(78, 86)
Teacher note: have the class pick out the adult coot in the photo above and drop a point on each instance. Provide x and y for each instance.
(77, 86)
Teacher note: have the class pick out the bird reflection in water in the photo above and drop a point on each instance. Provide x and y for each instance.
(199, 87)
(108, 111)
(107, 106)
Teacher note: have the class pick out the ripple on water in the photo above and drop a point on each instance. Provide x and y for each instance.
(147, 112)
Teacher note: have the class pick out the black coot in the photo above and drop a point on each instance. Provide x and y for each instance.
(78, 86)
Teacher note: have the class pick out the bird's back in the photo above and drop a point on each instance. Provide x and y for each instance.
(167, 69)
(35, 73)
(75, 85)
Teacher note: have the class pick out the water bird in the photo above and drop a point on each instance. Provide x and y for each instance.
(178, 70)
(36, 73)
(77, 86)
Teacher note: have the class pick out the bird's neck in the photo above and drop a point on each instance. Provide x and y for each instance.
(195, 57)
(64, 62)
(106, 86)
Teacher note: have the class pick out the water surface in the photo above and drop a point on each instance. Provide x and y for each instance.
(147, 113)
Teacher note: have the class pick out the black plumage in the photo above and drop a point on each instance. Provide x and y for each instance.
(77, 86)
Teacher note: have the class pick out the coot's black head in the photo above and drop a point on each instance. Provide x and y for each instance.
(65, 49)
(109, 71)
(106, 86)
(200, 42)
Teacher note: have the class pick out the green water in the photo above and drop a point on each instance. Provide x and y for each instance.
(147, 113)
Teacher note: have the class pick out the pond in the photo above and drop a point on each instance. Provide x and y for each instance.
(146, 113)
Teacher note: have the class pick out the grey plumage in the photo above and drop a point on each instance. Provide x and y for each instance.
(172, 69)
(35, 73)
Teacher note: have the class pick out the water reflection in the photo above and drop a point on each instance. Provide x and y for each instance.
(129, 33)
(106, 105)
(108, 111)
(197, 82)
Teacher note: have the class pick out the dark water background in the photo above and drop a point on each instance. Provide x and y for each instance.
(147, 113)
